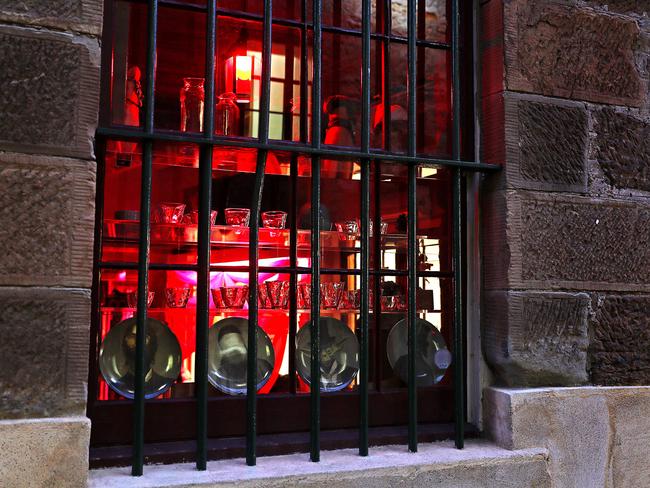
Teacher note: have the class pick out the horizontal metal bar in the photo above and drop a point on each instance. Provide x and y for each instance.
(325, 152)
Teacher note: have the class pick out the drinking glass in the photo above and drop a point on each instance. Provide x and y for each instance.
(274, 219)
(193, 217)
(170, 213)
(234, 296)
(226, 115)
(278, 293)
(217, 298)
(132, 298)
(330, 294)
(177, 297)
(192, 97)
(263, 296)
(348, 230)
(304, 295)
(238, 217)
(389, 303)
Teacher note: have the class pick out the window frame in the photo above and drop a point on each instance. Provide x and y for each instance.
(113, 421)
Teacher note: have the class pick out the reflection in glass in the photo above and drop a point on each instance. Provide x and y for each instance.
(432, 358)
(339, 354)
(162, 358)
(228, 350)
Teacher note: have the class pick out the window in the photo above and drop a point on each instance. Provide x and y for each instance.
(296, 142)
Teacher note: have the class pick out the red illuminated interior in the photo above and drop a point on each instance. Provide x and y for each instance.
(181, 51)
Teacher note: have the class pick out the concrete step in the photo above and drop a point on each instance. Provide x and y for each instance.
(480, 464)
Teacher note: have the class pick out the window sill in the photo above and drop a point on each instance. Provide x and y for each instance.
(439, 462)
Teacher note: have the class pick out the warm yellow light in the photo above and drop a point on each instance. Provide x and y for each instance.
(243, 68)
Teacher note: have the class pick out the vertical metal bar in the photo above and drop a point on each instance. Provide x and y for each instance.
(293, 278)
(143, 249)
(304, 75)
(365, 238)
(315, 238)
(459, 373)
(203, 258)
(253, 251)
(386, 99)
(412, 226)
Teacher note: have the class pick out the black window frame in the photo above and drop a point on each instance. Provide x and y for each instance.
(127, 420)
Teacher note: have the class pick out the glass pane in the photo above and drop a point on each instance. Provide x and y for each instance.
(121, 205)
(129, 59)
(180, 70)
(431, 22)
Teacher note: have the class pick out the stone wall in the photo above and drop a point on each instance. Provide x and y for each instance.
(566, 223)
(49, 86)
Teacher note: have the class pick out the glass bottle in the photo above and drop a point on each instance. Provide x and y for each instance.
(192, 98)
(226, 115)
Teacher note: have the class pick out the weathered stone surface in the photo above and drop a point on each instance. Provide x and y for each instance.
(546, 144)
(622, 148)
(619, 351)
(584, 241)
(569, 52)
(639, 7)
(43, 352)
(551, 242)
(49, 85)
(77, 15)
(44, 452)
(439, 464)
(47, 216)
(536, 339)
(596, 436)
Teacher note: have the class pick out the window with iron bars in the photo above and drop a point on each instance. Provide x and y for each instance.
(262, 165)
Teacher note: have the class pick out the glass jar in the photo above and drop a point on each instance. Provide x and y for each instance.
(226, 115)
(192, 98)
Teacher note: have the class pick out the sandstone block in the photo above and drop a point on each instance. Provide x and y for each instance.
(77, 15)
(546, 144)
(619, 351)
(596, 436)
(535, 339)
(47, 217)
(49, 85)
(596, 60)
(547, 241)
(43, 352)
(638, 7)
(44, 452)
(622, 148)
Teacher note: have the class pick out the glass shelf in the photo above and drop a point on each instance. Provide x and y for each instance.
(128, 231)
(244, 311)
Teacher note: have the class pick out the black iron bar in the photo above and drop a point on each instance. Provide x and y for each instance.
(459, 374)
(293, 277)
(253, 249)
(143, 247)
(314, 437)
(325, 152)
(365, 234)
(304, 74)
(203, 248)
(412, 225)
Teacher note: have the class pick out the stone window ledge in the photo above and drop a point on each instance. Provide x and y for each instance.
(434, 463)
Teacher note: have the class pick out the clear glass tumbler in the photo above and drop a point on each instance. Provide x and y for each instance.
(192, 99)
(234, 296)
(177, 297)
(170, 213)
(238, 217)
(330, 294)
(226, 115)
(274, 219)
(278, 293)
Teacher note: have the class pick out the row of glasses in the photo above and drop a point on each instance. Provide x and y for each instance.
(240, 217)
(175, 297)
(275, 295)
